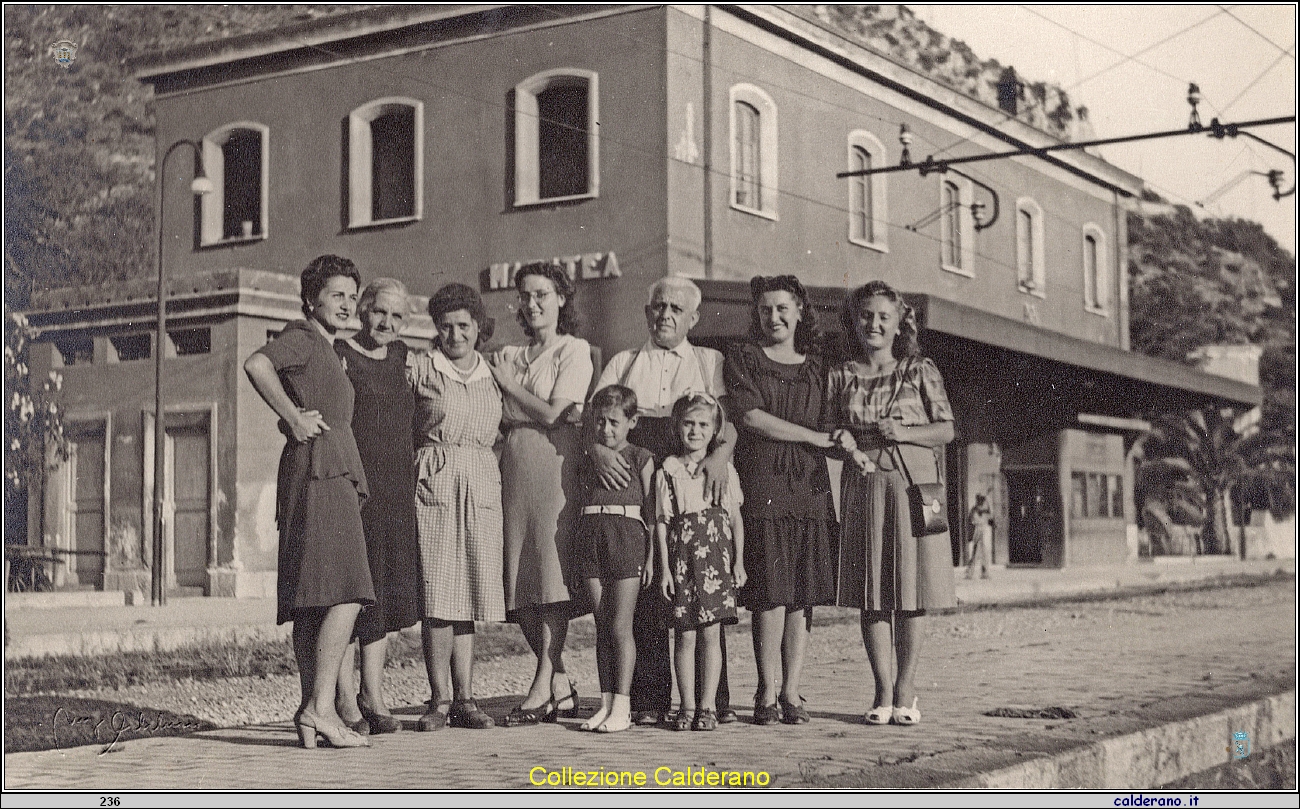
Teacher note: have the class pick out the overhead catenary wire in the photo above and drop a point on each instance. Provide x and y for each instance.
(1256, 80)
(1076, 34)
(1145, 50)
(1256, 31)
(929, 165)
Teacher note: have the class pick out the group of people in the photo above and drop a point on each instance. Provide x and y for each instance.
(448, 487)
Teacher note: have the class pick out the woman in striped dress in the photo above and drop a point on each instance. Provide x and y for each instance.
(888, 409)
(457, 501)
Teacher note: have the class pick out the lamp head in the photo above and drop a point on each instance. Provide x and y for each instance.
(201, 184)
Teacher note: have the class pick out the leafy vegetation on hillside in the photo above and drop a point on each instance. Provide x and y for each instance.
(79, 150)
(1207, 282)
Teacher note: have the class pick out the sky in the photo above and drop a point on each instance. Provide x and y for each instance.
(1241, 56)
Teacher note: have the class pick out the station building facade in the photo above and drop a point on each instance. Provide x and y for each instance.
(454, 143)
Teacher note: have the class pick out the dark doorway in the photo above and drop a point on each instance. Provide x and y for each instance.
(1031, 513)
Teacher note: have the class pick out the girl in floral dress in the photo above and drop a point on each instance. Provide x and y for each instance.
(700, 552)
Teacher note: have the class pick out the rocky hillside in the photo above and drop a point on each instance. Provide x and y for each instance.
(897, 32)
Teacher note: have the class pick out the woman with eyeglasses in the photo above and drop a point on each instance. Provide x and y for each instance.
(776, 385)
(541, 383)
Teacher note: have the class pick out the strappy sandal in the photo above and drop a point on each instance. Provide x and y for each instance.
(682, 721)
(767, 714)
(705, 719)
(521, 716)
(468, 715)
(793, 713)
(433, 718)
(570, 712)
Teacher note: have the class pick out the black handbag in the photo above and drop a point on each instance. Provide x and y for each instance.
(927, 504)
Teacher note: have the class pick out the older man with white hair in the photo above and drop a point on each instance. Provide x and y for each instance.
(661, 371)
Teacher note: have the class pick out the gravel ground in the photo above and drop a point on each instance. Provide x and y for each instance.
(835, 641)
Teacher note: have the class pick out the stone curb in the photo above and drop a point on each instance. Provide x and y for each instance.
(1153, 757)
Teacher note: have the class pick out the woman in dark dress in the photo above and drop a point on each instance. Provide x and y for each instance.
(375, 361)
(324, 575)
(776, 386)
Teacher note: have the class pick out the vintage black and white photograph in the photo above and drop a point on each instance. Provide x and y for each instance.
(653, 398)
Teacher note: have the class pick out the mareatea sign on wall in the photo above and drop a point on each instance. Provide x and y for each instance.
(586, 266)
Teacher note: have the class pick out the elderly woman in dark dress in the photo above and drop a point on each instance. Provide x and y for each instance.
(776, 387)
(375, 361)
(324, 574)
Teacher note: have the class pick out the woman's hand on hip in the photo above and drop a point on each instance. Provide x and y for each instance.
(307, 425)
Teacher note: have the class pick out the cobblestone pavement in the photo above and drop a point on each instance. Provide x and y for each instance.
(1121, 665)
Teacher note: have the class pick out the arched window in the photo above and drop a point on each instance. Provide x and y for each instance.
(235, 160)
(385, 162)
(557, 136)
(956, 225)
(753, 151)
(1031, 259)
(1096, 270)
(867, 193)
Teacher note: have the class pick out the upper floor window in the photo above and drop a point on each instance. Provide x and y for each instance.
(867, 192)
(956, 225)
(557, 136)
(753, 151)
(1031, 267)
(1096, 270)
(385, 162)
(235, 159)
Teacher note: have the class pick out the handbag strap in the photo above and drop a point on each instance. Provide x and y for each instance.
(900, 373)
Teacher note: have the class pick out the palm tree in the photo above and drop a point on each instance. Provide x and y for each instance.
(1218, 450)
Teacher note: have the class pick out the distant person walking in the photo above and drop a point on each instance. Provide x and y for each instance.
(981, 523)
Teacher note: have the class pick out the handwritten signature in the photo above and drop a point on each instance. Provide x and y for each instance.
(113, 727)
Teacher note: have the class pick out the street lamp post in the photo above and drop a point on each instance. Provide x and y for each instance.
(200, 185)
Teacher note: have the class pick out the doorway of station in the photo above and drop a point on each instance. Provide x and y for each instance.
(1032, 514)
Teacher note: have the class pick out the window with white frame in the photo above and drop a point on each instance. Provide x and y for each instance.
(1031, 266)
(557, 136)
(1096, 270)
(235, 158)
(385, 162)
(956, 225)
(753, 151)
(867, 192)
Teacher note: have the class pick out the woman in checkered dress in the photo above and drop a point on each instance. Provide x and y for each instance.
(457, 501)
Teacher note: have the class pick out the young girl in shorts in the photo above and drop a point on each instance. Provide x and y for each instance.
(612, 553)
(700, 552)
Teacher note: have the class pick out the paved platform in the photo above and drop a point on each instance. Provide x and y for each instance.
(33, 632)
(1159, 684)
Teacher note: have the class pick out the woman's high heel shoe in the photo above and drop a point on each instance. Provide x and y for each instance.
(521, 716)
(377, 722)
(572, 711)
(309, 725)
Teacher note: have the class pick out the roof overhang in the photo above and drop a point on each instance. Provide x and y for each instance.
(958, 320)
(1043, 376)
